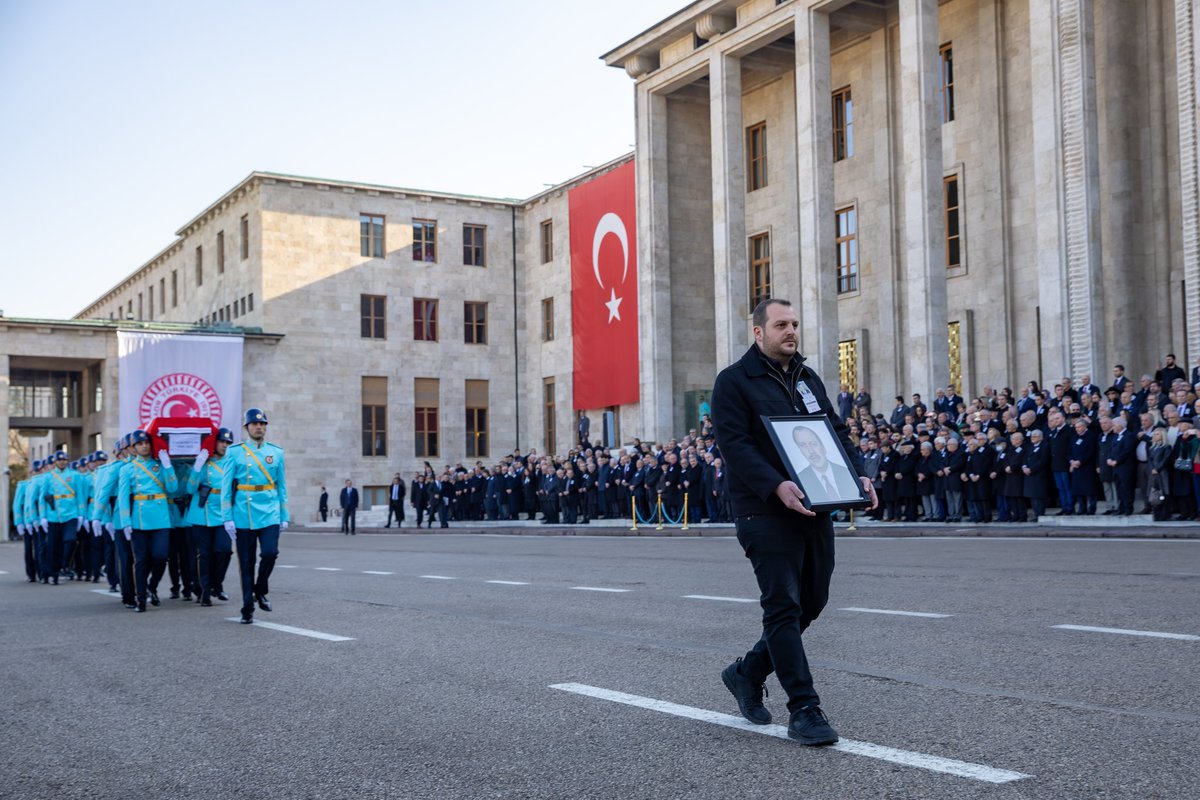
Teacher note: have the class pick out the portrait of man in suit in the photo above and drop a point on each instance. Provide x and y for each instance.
(825, 479)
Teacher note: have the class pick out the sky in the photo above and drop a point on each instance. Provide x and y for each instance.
(120, 121)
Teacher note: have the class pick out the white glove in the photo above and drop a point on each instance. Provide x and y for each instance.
(164, 459)
(79, 522)
(283, 526)
(231, 529)
(129, 534)
(201, 457)
(112, 532)
(45, 526)
(97, 528)
(21, 529)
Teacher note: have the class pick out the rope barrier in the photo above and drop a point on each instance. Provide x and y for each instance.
(659, 516)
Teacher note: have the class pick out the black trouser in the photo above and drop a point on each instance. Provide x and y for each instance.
(348, 519)
(395, 508)
(793, 562)
(324, 514)
(214, 549)
(1126, 483)
(265, 543)
(150, 550)
(182, 561)
(31, 561)
(420, 514)
(125, 568)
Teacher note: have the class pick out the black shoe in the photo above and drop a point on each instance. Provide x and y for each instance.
(95, 579)
(247, 617)
(263, 602)
(207, 603)
(748, 695)
(141, 606)
(810, 726)
(33, 580)
(113, 590)
(154, 601)
(130, 606)
(46, 581)
(222, 596)
(174, 594)
(55, 581)
(187, 597)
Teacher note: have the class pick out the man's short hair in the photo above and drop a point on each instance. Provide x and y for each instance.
(1119, 366)
(759, 318)
(1171, 355)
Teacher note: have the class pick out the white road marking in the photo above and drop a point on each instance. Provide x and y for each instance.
(286, 566)
(327, 637)
(1187, 637)
(437, 577)
(598, 589)
(713, 597)
(107, 593)
(2, 572)
(328, 569)
(928, 614)
(949, 766)
(510, 583)
(376, 572)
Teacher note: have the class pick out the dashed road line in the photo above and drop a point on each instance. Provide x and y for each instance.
(376, 572)
(437, 577)
(510, 583)
(327, 637)
(927, 614)
(107, 593)
(598, 589)
(286, 566)
(910, 758)
(714, 597)
(1186, 637)
(328, 569)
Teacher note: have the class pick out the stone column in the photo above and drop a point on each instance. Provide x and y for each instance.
(924, 292)
(1187, 57)
(654, 267)
(814, 189)
(730, 279)
(5, 500)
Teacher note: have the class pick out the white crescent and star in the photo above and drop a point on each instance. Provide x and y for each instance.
(612, 224)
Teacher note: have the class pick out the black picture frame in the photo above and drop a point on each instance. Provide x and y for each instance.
(840, 476)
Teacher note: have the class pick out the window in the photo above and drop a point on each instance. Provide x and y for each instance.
(370, 235)
(549, 432)
(150, 303)
(220, 252)
(947, 93)
(374, 416)
(425, 319)
(548, 319)
(475, 323)
(756, 156)
(954, 340)
(174, 288)
(374, 311)
(760, 268)
(847, 250)
(848, 363)
(547, 241)
(140, 316)
(475, 245)
(245, 236)
(162, 294)
(950, 202)
(129, 310)
(250, 303)
(425, 414)
(843, 125)
(477, 419)
(425, 240)
(199, 265)
(243, 302)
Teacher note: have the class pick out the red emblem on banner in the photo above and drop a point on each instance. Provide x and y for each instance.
(179, 395)
(604, 318)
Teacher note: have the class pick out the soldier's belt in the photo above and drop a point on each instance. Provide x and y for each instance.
(254, 487)
(61, 496)
(215, 491)
(149, 497)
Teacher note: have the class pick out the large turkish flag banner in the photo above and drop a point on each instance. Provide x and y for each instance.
(604, 317)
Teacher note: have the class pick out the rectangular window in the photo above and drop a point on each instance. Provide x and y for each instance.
(425, 414)
(373, 311)
(475, 323)
(547, 241)
(199, 265)
(162, 294)
(243, 302)
(150, 303)
(425, 240)
(843, 125)
(374, 416)
(477, 419)
(756, 156)
(245, 236)
(370, 236)
(847, 250)
(947, 93)
(250, 303)
(140, 316)
(760, 268)
(548, 319)
(174, 289)
(425, 313)
(950, 201)
(220, 252)
(129, 310)
(475, 245)
(549, 432)
(954, 340)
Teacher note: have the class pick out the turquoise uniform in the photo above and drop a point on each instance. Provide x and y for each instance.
(18, 507)
(211, 475)
(143, 492)
(33, 503)
(60, 495)
(253, 488)
(105, 491)
(83, 489)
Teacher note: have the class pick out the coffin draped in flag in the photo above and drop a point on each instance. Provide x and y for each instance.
(179, 376)
(604, 318)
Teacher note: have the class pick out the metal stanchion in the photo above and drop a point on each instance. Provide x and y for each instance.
(659, 527)
(633, 508)
(685, 511)
(851, 528)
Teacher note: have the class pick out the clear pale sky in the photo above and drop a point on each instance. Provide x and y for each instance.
(121, 120)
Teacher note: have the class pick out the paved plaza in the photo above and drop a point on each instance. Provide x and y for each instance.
(481, 665)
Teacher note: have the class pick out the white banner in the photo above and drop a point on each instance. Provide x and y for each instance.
(178, 375)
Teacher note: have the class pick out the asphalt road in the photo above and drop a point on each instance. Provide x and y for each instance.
(443, 688)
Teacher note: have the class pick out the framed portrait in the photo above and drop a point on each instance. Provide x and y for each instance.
(816, 461)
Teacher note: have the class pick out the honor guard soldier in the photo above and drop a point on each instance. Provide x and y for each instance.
(254, 508)
(122, 548)
(87, 560)
(143, 507)
(60, 510)
(213, 547)
(25, 531)
(35, 518)
(104, 497)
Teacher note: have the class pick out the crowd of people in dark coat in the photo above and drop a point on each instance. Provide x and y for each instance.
(1006, 458)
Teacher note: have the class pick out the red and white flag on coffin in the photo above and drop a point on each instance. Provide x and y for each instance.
(604, 316)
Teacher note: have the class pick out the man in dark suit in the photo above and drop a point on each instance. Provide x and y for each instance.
(1169, 373)
(1122, 458)
(845, 403)
(396, 494)
(417, 497)
(1120, 381)
(349, 502)
(323, 505)
(1060, 461)
(1196, 374)
(822, 480)
(583, 429)
(1035, 469)
(437, 500)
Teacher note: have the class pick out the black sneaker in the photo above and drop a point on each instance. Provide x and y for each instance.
(749, 696)
(810, 726)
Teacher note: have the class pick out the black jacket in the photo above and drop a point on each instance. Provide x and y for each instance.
(745, 391)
